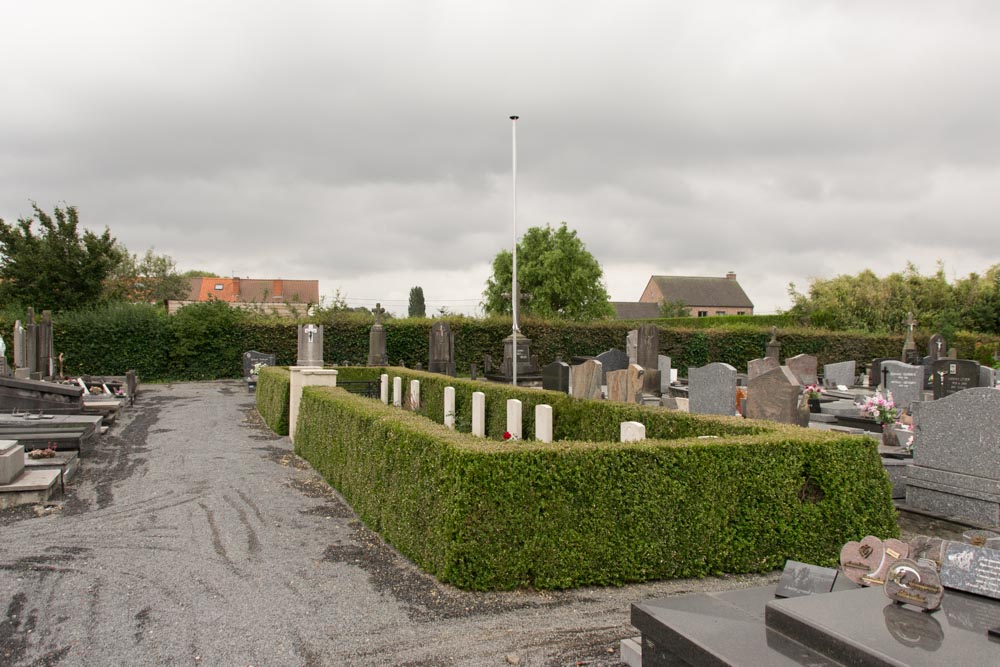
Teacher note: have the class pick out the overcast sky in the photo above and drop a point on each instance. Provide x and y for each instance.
(367, 144)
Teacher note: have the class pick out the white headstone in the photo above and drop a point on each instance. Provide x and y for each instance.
(514, 418)
(384, 388)
(414, 395)
(543, 423)
(479, 414)
(449, 407)
(397, 391)
(633, 431)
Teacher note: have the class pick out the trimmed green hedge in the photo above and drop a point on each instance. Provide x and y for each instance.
(273, 386)
(485, 514)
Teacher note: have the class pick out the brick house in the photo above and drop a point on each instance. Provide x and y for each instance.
(275, 295)
(704, 296)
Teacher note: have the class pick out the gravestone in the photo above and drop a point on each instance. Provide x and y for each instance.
(31, 348)
(799, 579)
(777, 396)
(971, 569)
(555, 377)
(906, 382)
(804, 367)
(586, 380)
(760, 366)
(310, 352)
(442, 350)
(987, 376)
(612, 360)
(712, 389)
(20, 346)
(636, 380)
(632, 346)
(910, 354)
(875, 372)
(928, 372)
(617, 383)
(937, 347)
(956, 461)
(773, 347)
(253, 361)
(45, 351)
(663, 365)
(376, 340)
(649, 347)
(527, 366)
(954, 375)
(842, 373)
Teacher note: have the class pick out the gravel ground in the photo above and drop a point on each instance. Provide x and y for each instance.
(192, 535)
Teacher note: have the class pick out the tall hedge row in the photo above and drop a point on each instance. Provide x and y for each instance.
(485, 514)
(206, 340)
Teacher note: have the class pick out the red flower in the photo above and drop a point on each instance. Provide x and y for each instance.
(507, 435)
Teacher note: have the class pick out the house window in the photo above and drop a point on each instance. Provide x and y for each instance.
(741, 312)
(702, 313)
(218, 287)
(720, 312)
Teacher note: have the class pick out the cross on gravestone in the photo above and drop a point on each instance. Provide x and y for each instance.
(773, 348)
(310, 331)
(379, 311)
(310, 345)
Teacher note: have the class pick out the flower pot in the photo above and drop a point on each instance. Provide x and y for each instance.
(889, 438)
(814, 405)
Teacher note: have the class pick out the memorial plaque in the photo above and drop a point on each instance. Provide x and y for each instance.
(923, 547)
(798, 579)
(868, 561)
(910, 582)
(953, 375)
(972, 569)
(979, 538)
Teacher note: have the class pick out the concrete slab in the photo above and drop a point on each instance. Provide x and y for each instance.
(33, 486)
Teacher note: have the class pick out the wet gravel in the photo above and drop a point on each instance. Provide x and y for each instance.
(192, 535)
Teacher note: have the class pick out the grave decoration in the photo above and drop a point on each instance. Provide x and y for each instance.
(867, 562)
(253, 361)
(915, 583)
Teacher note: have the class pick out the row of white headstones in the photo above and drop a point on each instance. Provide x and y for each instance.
(306, 376)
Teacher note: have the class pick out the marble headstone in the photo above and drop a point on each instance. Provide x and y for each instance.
(555, 376)
(842, 373)
(804, 367)
(760, 366)
(956, 461)
(586, 379)
(712, 389)
(663, 364)
(971, 569)
(954, 375)
(777, 396)
(612, 360)
(906, 382)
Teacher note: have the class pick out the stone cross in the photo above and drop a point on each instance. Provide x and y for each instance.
(910, 322)
(379, 311)
(310, 330)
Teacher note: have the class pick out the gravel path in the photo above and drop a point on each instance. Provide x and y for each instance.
(193, 536)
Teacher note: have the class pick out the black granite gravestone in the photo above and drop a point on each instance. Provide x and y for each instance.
(555, 376)
(954, 375)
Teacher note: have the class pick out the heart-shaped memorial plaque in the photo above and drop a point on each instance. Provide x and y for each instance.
(931, 548)
(910, 582)
(867, 561)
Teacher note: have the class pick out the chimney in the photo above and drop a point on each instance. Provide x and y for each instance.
(731, 275)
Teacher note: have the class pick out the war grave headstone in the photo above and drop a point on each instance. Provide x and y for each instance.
(377, 355)
(442, 350)
(842, 373)
(954, 375)
(956, 469)
(612, 360)
(253, 361)
(586, 380)
(310, 345)
(904, 381)
(632, 346)
(804, 367)
(663, 365)
(760, 366)
(555, 376)
(773, 347)
(712, 389)
(776, 395)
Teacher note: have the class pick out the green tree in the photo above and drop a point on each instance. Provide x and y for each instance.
(198, 273)
(417, 306)
(555, 272)
(57, 268)
(153, 279)
(674, 309)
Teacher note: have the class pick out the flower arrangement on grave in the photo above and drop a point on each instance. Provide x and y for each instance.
(47, 453)
(256, 368)
(812, 391)
(507, 435)
(880, 408)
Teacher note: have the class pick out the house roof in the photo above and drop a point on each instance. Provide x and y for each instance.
(698, 291)
(254, 290)
(636, 310)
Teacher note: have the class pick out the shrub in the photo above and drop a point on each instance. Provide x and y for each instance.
(273, 384)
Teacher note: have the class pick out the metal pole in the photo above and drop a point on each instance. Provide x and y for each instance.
(514, 295)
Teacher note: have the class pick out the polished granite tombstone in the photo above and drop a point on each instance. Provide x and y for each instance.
(851, 627)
